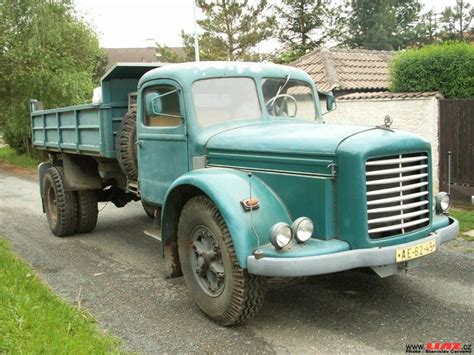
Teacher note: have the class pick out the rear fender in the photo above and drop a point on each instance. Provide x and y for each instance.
(42, 168)
(227, 188)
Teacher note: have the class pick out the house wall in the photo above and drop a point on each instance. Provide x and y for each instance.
(416, 115)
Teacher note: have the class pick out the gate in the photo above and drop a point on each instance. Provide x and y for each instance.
(457, 140)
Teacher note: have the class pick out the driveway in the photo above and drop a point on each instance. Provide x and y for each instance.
(116, 273)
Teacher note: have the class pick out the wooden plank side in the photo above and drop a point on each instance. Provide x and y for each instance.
(456, 134)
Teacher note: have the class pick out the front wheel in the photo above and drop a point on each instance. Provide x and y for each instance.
(223, 291)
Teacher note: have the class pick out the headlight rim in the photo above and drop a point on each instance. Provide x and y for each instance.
(438, 201)
(274, 235)
(297, 222)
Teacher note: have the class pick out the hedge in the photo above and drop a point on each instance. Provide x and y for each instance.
(447, 68)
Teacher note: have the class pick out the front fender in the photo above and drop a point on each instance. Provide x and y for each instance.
(226, 188)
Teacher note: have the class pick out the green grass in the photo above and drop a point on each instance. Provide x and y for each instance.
(465, 218)
(10, 156)
(466, 222)
(35, 321)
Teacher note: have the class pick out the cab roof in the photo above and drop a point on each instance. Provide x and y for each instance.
(187, 73)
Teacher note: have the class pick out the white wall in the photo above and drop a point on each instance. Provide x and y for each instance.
(417, 115)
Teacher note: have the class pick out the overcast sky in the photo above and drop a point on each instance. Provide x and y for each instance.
(140, 23)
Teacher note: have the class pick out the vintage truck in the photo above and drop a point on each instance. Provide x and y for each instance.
(244, 179)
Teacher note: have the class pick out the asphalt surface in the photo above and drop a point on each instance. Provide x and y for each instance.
(117, 274)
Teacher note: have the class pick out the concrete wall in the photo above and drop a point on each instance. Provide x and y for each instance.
(418, 115)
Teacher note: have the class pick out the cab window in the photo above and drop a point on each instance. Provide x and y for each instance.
(170, 114)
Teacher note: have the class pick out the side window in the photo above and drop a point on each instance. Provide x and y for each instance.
(169, 114)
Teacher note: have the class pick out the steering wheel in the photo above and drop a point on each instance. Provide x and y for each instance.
(278, 109)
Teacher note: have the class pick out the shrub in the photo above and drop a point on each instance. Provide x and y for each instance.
(447, 68)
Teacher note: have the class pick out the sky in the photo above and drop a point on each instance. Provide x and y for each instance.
(142, 23)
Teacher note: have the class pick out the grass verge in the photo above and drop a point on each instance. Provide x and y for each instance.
(35, 321)
(10, 156)
(466, 221)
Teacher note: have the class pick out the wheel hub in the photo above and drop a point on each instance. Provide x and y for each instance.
(206, 260)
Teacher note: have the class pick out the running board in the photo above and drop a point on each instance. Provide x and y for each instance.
(154, 232)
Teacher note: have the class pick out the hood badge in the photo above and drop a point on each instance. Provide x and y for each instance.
(387, 123)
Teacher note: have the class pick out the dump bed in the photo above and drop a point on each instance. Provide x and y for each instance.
(89, 129)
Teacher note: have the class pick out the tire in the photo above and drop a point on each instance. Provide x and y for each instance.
(60, 205)
(150, 210)
(125, 145)
(222, 290)
(86, 211)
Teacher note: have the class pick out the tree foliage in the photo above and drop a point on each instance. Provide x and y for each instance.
(447, 68)
(303, 26)
(457, 20)
(231, 29)
(47, 53)
(378, 24)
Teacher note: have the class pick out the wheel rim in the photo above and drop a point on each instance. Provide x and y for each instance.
(206, 261)
(52, 205)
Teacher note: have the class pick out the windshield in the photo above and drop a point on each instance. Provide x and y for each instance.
(225, 99)
(285, 97)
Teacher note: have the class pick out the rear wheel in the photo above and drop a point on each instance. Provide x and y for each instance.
(223, 291)
(60, 205)
(86, 211)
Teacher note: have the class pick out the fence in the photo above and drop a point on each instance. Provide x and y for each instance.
(457, 139)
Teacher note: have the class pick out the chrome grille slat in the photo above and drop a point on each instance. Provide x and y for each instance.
(396, 199)
(396, 189)
(397, 179)
(397, 217)
(396, 170)
(395, 161)
(399, 226)
(399, 207)
(397, 194)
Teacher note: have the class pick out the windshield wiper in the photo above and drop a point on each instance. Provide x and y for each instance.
(279, 90)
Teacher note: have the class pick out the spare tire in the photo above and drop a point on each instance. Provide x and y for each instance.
(125, 145)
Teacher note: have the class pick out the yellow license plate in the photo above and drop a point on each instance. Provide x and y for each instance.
(416, 251)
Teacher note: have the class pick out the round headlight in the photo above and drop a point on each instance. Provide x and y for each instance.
(303, 229)
(443, 202)
(280, 235)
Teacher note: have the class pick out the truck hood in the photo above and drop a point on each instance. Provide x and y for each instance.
(274, 137)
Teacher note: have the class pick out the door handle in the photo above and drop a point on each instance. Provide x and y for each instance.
(139, 143)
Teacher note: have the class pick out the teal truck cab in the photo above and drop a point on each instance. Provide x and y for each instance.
(243, 178)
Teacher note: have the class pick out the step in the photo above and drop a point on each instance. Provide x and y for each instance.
(154, 232)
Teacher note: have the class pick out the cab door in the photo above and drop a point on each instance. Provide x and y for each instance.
(161, 139)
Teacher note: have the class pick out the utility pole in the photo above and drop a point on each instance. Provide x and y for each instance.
(196, 38)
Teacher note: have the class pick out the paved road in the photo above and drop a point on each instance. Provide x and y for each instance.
(119, 275)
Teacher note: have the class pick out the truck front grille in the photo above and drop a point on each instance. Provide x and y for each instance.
(397, 194)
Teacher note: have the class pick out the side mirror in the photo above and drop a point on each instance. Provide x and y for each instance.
(153, 104)
(330, 102)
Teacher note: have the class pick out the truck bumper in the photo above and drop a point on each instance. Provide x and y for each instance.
(381, 259)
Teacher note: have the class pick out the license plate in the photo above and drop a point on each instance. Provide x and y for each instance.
(416, 251)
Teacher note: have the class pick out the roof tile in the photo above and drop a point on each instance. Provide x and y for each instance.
(347, 69)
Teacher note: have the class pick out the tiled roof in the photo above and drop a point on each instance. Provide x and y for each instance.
(134, 55)
(390, 95)
(347, 69)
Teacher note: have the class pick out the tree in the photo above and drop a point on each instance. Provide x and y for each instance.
(47, 53)
(301, 26)
(231, 29)
(379, 24)
(457, 20)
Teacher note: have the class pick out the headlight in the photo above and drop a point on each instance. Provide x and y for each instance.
(280, 235)
(303, 229)
(443, 202)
